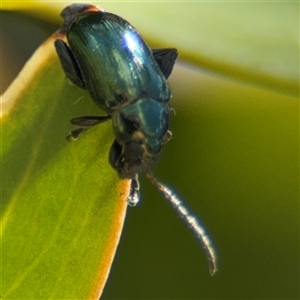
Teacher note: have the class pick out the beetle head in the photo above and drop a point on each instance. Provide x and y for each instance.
(131, 158)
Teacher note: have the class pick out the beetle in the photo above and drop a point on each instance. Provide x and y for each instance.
(105, 55)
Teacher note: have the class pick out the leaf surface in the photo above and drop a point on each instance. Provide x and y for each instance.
(63, 206)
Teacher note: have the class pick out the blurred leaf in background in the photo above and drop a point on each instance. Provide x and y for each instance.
(234, 155)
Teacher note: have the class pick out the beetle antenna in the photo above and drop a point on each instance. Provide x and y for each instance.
(190, 220)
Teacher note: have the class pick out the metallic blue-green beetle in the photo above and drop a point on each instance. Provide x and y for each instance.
(106, 56)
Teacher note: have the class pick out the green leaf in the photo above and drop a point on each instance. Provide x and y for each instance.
(63, 206)
(234, 158)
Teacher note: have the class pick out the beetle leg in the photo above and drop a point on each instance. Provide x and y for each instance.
(89, 120)
(68, 63)
(165, 58)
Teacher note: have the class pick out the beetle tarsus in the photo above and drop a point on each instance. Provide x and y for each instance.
(75, 133)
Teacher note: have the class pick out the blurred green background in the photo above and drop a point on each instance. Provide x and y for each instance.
(234, 158)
